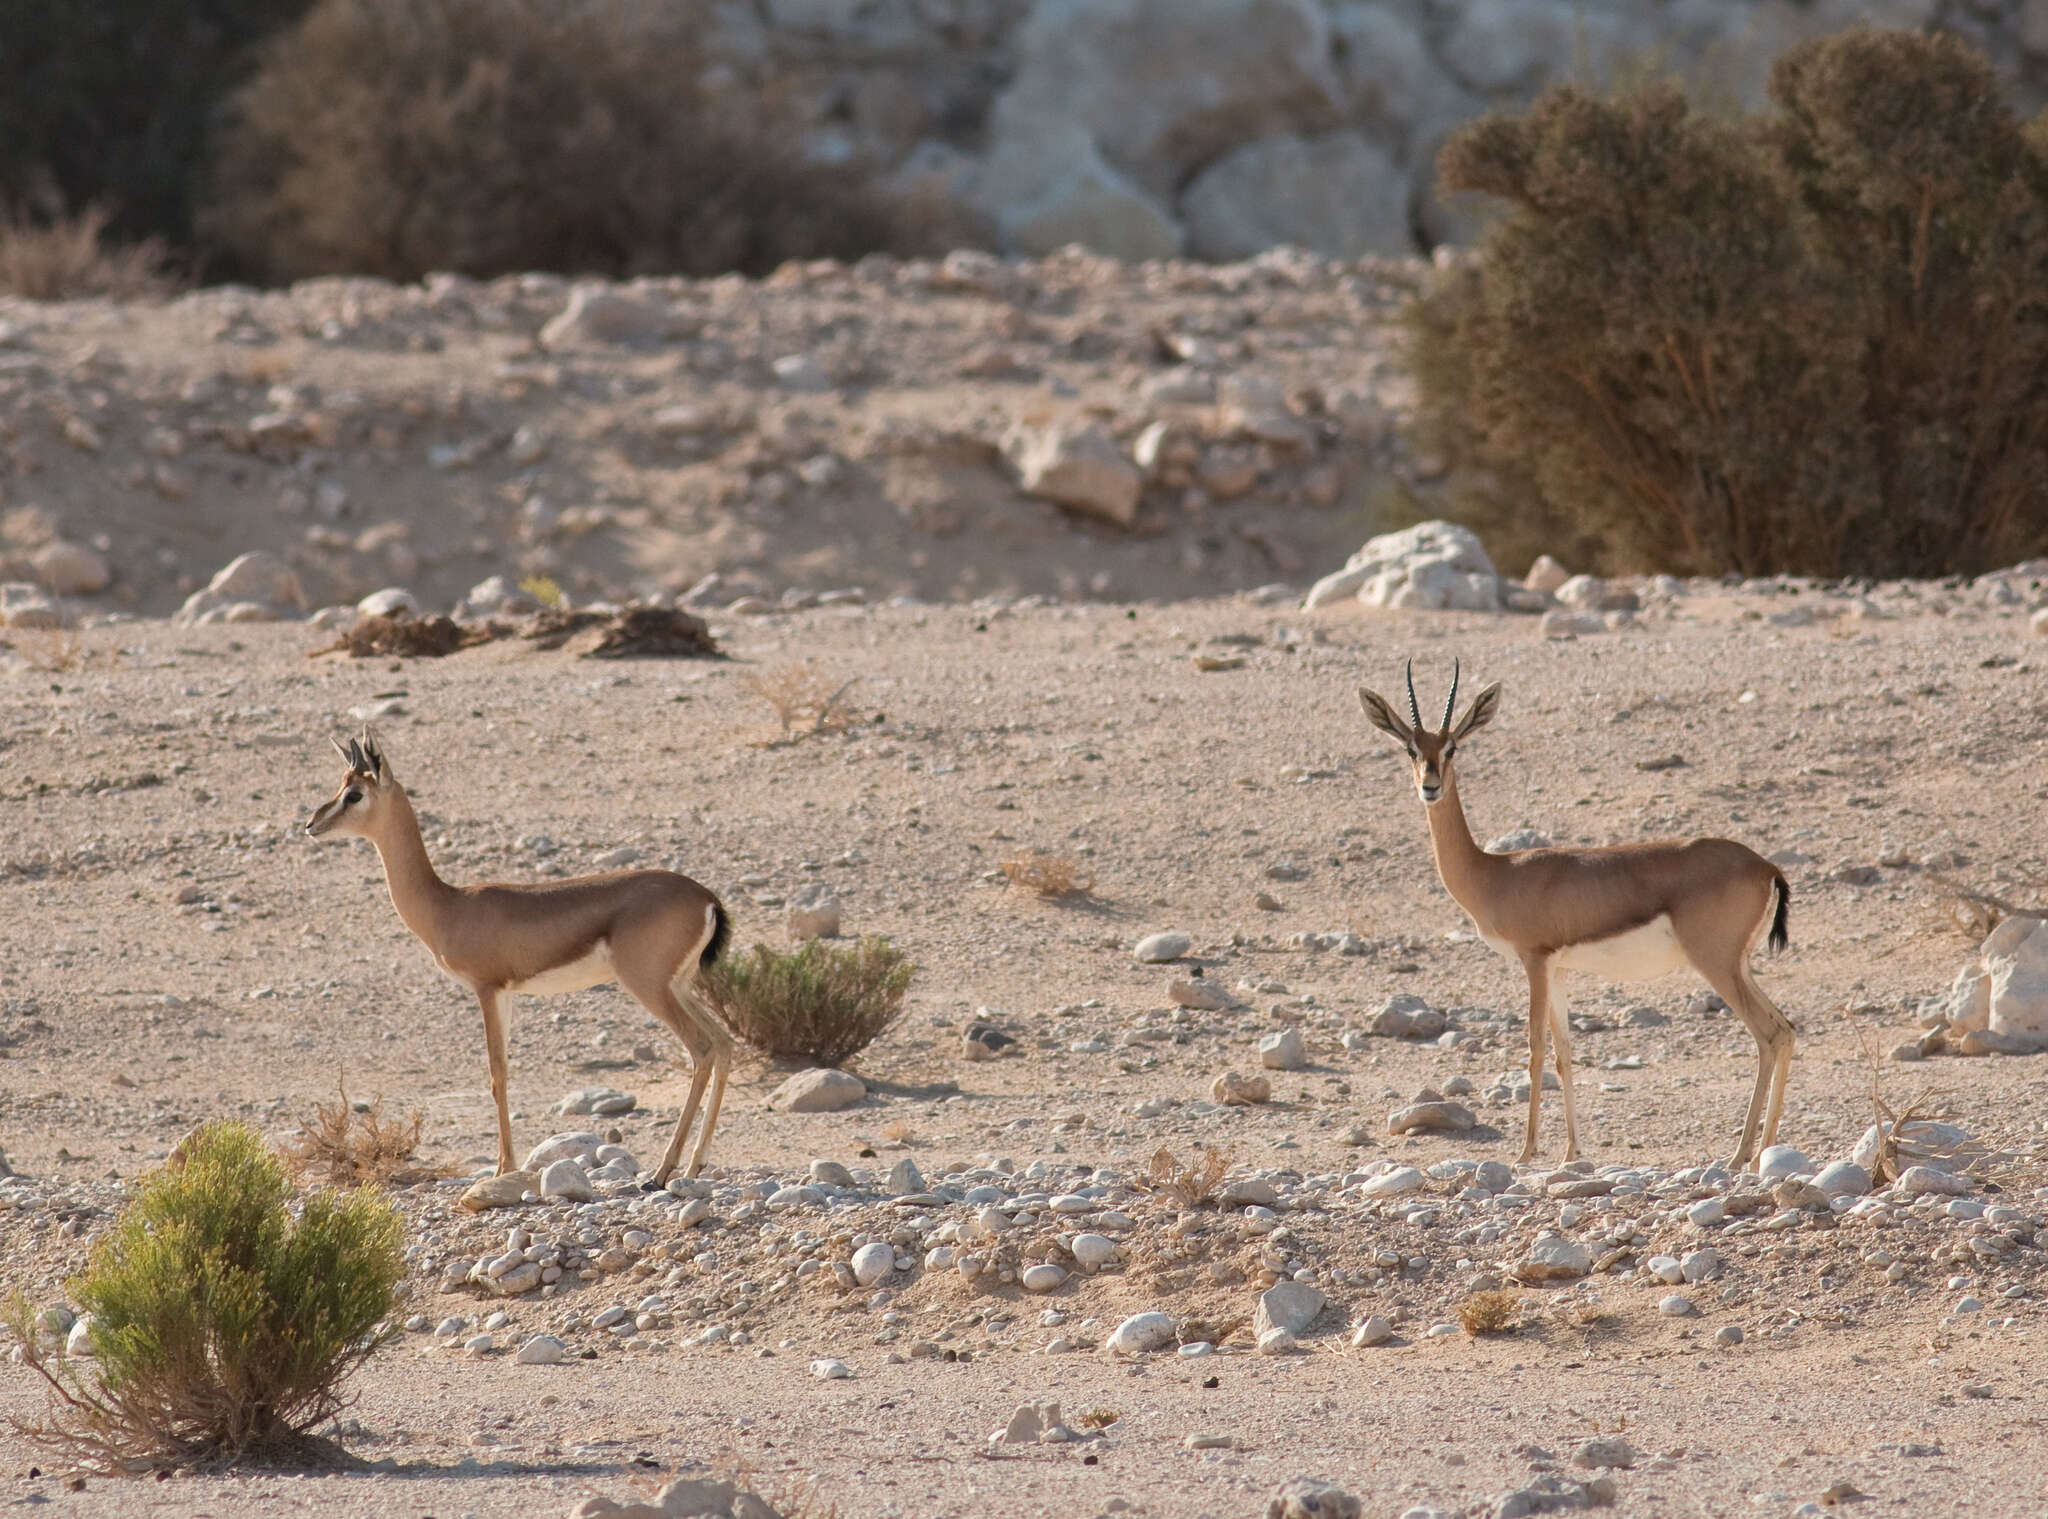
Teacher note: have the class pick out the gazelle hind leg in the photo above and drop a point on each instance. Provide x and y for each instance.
(1773, 1037)
(1781, 1064)
(1538, 970)
(1561, 1033)
(721, 1064)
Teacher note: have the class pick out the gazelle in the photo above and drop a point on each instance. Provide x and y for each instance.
(649, 930)
(1629, 912)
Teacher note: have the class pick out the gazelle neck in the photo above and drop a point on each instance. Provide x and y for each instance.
(416, 891)
(1463, 865)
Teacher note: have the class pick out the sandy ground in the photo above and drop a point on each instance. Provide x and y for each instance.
(145, 761)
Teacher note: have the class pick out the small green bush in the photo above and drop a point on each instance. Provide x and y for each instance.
(400, 137)
(223, 1326)
(822, 1001)
(1813, 340)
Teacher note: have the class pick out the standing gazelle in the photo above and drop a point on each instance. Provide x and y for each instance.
(1629, 912)
(649, 930)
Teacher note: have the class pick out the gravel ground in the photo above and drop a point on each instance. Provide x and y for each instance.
(174, 950)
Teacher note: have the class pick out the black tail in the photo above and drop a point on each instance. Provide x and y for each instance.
(1779, 938)
(721, 933)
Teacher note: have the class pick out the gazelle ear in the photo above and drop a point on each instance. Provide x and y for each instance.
(1384, 718)
(342, 749)
(1485, 707)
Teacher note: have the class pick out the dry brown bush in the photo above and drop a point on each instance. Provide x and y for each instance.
(806, 702)
(399, 137)
(1187, 1184)
(345, 1148)
(66, 258)
(403, 637)
(1050, 875)
(1494, 1312)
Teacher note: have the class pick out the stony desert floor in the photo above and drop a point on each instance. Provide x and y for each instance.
(174, 949)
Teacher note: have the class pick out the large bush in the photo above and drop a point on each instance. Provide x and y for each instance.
(398, 137)
(1814, 340)
(224, 1324)
(110, 103)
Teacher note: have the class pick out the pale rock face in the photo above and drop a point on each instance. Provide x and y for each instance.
(1388, 77)
(1436, 566)
(1050, 187)
(1163, 86)
(2016, 957)
(1340, 195)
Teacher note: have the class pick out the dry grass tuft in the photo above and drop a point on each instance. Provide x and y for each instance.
(805, 702)
(1491, 1313)
(636, 633)
(63, 259)
(1096, 1418)
(1188, 1185)
(50, 650)
(899, 1132)
(344, 1148)
(1975, 913)
(1050, 875)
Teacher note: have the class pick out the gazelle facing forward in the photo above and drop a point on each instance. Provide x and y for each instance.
(649, 930)
(1629, 912)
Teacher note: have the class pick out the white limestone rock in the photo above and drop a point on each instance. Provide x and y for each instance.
(1433, 566)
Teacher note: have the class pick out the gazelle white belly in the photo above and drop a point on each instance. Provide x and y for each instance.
(594, 969)
(1641, 954)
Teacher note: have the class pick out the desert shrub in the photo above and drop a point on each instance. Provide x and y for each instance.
(1185, 1183)
(224, 1322)
(822, 1001)
(347, 1148)
(1812, 340)
(112, 103)
(1050, 875)
(1490, 1312)
(397, 137)
(805, 701)
(67, 257)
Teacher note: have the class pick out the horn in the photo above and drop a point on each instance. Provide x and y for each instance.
(355, 757)
(1453, 701)
(341, 749)
(1414, 712)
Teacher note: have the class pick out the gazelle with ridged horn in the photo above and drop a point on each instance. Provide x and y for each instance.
(649, 930)
(1627, 912)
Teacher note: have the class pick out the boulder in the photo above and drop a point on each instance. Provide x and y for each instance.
(254, 587)
(1283, 1050)
(25, 606)
(1234, 1090)
(70, 569)
(1142, 1332)
(1434, 566)
(813, 912)
(1310, 1498)
(822, 1090)
(1291, 1306)
(1160, 948)
(1392, 86)
(1553, 1258)
(1077, 464)
(2016, 963)
(598, 316)
(1431, 1117)
(505, 1191)
(1339, 194)
(1514, 47)
(1546, 575)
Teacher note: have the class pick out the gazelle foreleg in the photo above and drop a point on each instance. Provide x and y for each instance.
(1561, 1032)
(1538, 969)
(494, 1049)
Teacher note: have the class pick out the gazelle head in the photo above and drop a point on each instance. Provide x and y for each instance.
(1431, 752)
(364, 794)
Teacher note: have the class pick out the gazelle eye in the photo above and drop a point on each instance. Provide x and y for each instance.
(353, 796)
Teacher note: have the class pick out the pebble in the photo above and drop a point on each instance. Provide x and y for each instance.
(568, 1181)
(1677, 1306)
(1605, 1450)
(821, 1090)
(1555, 1258)
(1277, 1342)
(1235, 1090)
(1398, 1182)
(830, 1173)
(1843, 1178)
(1311, 1498)
(1142, 1332)
(1199, 994)
(1292, 1306)
(1781, 1161)
(1665, 1268)
(905, 1180)
(828, 1370)
(1728, 1334)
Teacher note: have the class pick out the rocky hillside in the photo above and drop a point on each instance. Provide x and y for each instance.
(1071, 427)
(1218, 128)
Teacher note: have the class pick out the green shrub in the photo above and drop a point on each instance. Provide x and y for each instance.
(399, 137)
(1814, 340)
(822, 1001)
(223, 1326)
(110, 103)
